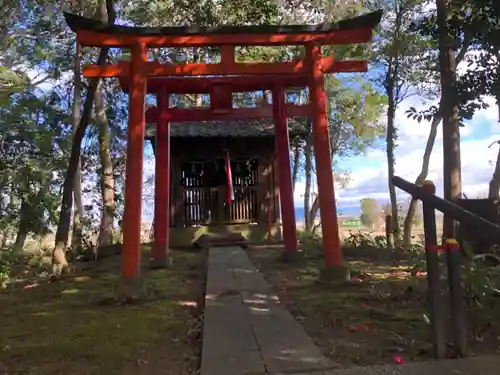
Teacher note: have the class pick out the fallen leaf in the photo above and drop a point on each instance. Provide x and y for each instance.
(359, 328)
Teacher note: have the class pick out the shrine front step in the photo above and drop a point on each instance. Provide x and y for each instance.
(209, 240)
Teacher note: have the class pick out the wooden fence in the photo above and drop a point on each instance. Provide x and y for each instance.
(208, 205)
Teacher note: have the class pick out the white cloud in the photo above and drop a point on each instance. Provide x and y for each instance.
(476, 170)
(45, 86)
(369, 173)
(490, 114)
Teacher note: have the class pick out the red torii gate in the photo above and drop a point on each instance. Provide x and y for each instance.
(220, 90)
(251, 77)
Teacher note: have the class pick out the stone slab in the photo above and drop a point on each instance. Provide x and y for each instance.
(284, 344)
(246, 329)
(229, 345)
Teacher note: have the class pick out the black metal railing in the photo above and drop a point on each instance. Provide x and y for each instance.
(446, 207)
(430, 203)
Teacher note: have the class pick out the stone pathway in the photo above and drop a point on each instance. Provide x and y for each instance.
(247, 332)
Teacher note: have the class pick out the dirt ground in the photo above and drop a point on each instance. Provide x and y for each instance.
(379, 317)
(76, 326)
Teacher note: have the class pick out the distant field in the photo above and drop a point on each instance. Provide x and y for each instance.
(346, 226)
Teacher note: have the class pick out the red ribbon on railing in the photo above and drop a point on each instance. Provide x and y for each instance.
(452, 245)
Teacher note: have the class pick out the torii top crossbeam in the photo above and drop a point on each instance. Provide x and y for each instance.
(349, 31)
(95, 33)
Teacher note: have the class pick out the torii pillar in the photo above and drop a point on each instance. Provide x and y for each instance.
(282, 145)
(324, 171)
(131, 257)
(161, 256)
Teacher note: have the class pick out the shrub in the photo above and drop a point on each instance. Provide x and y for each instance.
(12, 262)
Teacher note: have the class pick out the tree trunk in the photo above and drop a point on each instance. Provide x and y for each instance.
(494, 190)
(5, 238)
(390, 137)
(421, 178)
(59, 261)
(76, 239)
(495, 180)
(23, 229)
(296, 160)
(452, 179)
(7, 232)
(313, 213)
(394, 98)
(307, 190)
(427, 156)
(107, 173)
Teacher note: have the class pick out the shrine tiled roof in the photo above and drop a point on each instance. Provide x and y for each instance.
(232, 129)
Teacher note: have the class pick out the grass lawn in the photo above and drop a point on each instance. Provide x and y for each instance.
(379, 317)
(73, 326)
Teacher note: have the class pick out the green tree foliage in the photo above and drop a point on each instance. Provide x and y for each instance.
(33, 135)
(36, 85)
(483, 26)
(467, 26)
(454, 24)
(355, 109)
(398, 55)
(475, 25)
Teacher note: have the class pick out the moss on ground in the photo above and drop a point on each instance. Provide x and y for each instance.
(75, 325)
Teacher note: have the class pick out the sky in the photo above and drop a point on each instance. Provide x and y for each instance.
(369, 179)
(368, 173)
